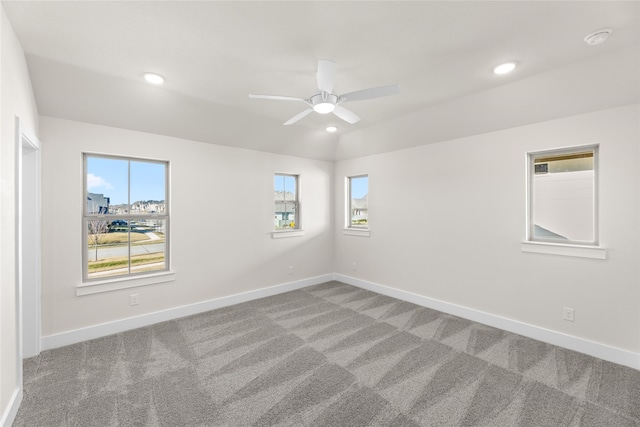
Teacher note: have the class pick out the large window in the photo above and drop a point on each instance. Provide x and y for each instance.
(563, 196)
(358, 206)
(126, 217)
(287, 209)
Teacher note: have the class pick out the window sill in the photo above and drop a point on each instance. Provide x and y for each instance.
(593, 252)
(281, 234)
(115, 284)
(363, 232)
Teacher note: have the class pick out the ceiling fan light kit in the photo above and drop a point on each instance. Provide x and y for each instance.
(325, 101)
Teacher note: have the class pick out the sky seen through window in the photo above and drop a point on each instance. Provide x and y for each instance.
(109, 177)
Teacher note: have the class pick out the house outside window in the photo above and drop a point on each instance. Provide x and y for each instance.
(563, 196)
(286, 197)
(125, 217)
(357, 201)
(97, 204)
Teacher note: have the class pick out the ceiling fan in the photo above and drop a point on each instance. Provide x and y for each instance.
(325, 101)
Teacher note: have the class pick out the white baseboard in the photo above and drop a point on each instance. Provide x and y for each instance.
(110, 328)
(11, 411)
(602, 351)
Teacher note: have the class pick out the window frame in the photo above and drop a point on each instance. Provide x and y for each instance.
(142, 278)
(297, 217)
(348, 218)
(559, 152)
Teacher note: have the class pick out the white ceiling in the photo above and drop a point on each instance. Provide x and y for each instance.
(86, 60)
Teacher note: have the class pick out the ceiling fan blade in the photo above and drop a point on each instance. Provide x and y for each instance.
(276, 97)
(326, 75)
(373, 92)
(298, 116)
(346, 115)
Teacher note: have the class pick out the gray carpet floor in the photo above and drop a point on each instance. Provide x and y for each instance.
(326, 355)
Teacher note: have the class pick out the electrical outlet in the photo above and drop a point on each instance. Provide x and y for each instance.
(568, 314)
(291, 269)
(134, 299)
(354, 267)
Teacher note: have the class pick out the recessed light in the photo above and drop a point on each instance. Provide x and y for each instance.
(331, 129)
(598, 37)
(505, 68)
(153, 78)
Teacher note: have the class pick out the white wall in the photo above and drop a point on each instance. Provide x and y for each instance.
(221, 219)
(17, 99)
(447, 221)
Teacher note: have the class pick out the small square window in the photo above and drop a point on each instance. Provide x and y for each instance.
(357, 201)
(563, 196)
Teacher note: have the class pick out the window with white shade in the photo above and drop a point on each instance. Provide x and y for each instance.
(563, 196)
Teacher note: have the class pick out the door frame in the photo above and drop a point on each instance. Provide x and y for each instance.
(28, 243)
